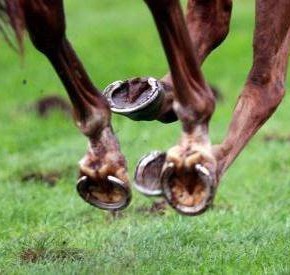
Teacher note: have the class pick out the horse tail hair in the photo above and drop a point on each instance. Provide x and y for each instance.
(12, 18)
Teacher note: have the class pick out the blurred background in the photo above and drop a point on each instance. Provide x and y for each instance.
(46, 227)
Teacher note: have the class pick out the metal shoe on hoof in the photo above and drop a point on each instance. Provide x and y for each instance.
(148, 172)
(112, 194)
(137, 98)
(189, 193)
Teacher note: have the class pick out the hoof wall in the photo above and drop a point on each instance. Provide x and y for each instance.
(148, 172)
(137, 99)
(111, 194)
(190, 193)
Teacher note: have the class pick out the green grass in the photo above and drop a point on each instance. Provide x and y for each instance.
(50, 230)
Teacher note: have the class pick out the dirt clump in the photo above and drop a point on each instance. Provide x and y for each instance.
(46, 105)
(277, 138)
(50, 178)
(37, 255)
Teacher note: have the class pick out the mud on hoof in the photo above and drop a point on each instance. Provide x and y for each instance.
(189, 177)
(110, 194)
(190, 192)
(187, 185)
(148, 172)
(137, 98)
(103, 179)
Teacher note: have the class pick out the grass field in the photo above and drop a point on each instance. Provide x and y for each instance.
(50, 230)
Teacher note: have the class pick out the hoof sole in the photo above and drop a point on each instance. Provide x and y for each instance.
(112, 194)
(137, 99)
(190, 194)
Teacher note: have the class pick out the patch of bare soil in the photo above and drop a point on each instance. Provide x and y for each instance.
(37, 255)
(46, 105)
(157, 208)
(277, 138)
(50, 178)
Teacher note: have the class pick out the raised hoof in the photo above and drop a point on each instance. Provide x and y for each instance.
(190, 194)
(137, 98)
(110, 195)
(148, 172)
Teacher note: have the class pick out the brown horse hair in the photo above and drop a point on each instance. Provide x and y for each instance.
(11, 15)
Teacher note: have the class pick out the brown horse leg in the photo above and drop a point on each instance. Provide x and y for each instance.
(103, 175)
(265, 86)
(188, 176)
(11, 14)
(208, 25)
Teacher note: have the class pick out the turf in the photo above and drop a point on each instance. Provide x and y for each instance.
(48, 229)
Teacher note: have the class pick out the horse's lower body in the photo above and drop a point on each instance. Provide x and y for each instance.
(189, 173)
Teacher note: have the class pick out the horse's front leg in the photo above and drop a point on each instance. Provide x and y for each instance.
(208, 23)
(265, 86)
(103, 178)
(151, 99)
(189, 172)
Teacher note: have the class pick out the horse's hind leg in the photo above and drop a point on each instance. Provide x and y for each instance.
(151, 99)
(265, 86)
(188, 176)
(208, 25)
(103, 178)
(262, 94)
